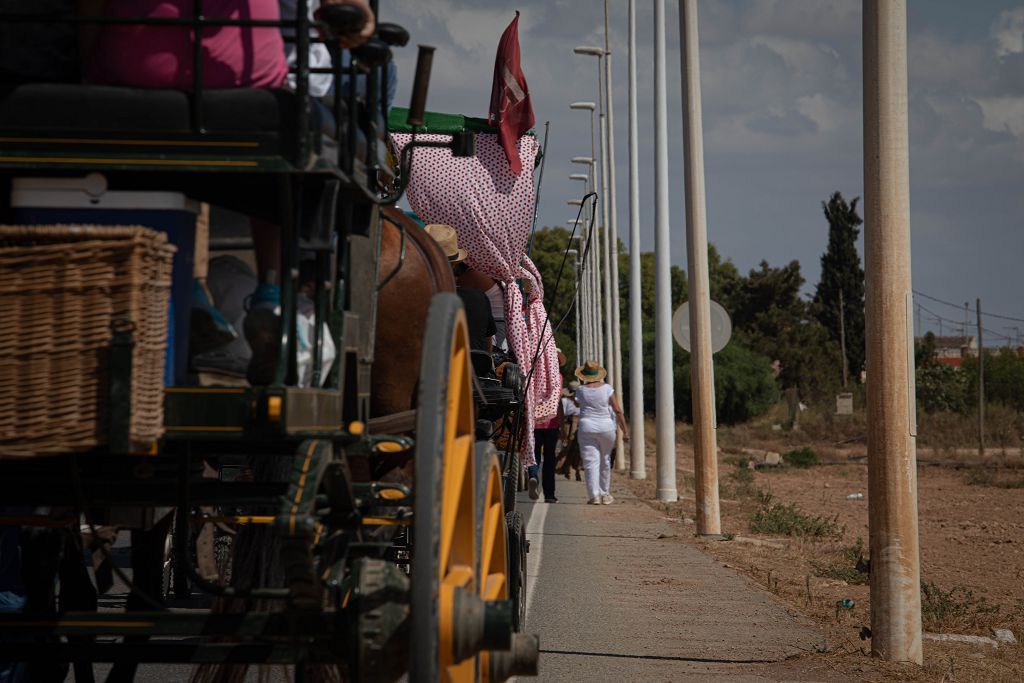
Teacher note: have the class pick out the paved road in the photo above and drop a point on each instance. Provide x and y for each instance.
(616, 593)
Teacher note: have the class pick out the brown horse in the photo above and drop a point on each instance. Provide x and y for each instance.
(402, 306)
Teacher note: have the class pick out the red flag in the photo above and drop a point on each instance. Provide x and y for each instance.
(510, 110)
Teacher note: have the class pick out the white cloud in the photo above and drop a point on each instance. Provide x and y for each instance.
(1008, 32)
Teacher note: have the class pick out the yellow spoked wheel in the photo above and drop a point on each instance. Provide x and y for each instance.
(445, 553)
(494, 584)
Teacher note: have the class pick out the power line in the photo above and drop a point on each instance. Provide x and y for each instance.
(960, 323)
(969, 308)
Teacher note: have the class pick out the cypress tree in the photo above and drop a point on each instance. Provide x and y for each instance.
(841, 271)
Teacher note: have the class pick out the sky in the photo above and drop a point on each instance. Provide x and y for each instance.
(782, 108)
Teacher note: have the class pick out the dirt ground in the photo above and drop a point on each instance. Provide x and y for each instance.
(972, 553)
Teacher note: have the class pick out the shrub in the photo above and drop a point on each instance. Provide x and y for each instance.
(801, 458)
(788, 520)
(849, 566)
(954, 609)
(941, 388)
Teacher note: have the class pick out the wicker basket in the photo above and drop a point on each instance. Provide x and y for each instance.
(61, 287)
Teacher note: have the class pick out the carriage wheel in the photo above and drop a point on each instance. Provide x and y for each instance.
(494, 580)
(517, 568)
(444, 543)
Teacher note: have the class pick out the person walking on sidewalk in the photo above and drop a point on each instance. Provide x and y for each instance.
(545, 440)
(569, 454)
(599, 414)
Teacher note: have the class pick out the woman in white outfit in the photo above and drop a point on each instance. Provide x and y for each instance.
(599, 413)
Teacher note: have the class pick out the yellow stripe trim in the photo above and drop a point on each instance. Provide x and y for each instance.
(138, 162)
(190, 390)
(385, 521)
(82, 624)
(302, 485)
(171, 143)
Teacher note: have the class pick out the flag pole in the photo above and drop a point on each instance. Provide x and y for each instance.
(540, 180)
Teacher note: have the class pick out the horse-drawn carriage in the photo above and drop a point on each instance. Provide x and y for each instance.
(369, 541)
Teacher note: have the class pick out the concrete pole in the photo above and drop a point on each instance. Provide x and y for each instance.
(981, 383)
(607, 237)
(702, 382)
(638, 469)
(599, 215)
(665, 416)
(892, 466)
(586, 295)
(606, 268)
(576, 305)
(613, 238)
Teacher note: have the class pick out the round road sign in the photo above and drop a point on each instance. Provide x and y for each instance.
(721, 326)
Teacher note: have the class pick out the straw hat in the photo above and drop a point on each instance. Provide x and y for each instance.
(590, 371)
(573, 386)
(446, 238)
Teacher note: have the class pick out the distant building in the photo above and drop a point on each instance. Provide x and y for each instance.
(952, 350)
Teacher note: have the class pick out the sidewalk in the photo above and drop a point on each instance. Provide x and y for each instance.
(617, 593)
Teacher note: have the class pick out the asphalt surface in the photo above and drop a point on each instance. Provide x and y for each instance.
(616, 593)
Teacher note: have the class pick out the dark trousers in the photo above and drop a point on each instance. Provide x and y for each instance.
(545, 441)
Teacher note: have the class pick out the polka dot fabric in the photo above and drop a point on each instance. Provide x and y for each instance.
(491, 209)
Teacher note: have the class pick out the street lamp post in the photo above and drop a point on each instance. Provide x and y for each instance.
(613, 253)
(593, 265)
(665, 415)
(576, 303)
(638, 468)
(594, 253)
(583, 338)
(607, 354)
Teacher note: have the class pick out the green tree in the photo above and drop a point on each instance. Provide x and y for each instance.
(770, 318)
(744, 385)
(548, 253)
(842, 276)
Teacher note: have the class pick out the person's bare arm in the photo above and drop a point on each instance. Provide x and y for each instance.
(619, 417)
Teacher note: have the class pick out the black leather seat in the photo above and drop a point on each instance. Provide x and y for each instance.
(71, 107)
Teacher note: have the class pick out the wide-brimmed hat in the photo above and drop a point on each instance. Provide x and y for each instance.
(573, 386)
(446, 238)
(590, 371)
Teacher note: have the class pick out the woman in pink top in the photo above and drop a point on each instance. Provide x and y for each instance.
(161, 56)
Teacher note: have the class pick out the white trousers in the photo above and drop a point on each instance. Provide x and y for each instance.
(595, 452)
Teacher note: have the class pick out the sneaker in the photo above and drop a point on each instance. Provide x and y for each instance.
(263, 332)
(532, 486)
(594, 501)
(607, 500)
(552, 499)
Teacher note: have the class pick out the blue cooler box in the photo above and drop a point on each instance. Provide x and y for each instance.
(86, 201)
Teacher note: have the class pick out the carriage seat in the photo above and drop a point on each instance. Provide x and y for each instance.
(66, 108)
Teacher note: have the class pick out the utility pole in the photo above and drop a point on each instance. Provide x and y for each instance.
(638, 468)
(665, 416)
(842, 337)
(892, 458)
(981, 385)
(604, 281)
(702, 373)
(967, 313)
(576, 302)
(613, 238)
